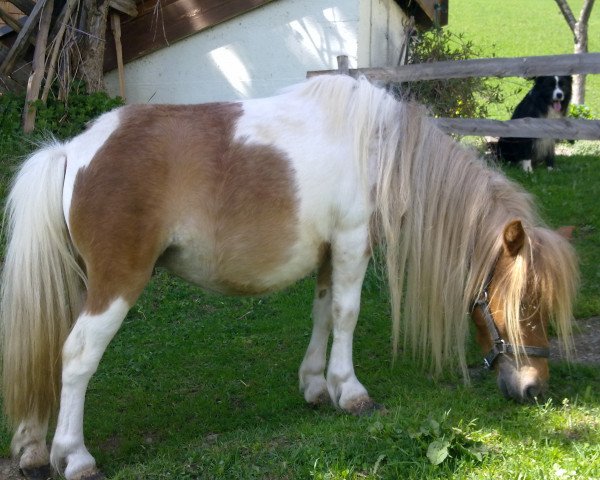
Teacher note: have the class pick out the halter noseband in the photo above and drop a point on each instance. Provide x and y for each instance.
(499, 346)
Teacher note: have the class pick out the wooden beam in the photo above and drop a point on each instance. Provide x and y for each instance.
(26, 6)
(483, 67)
(563, 129)
(128, 7)
(39, 66)
(22, 39)
(427, 13)
(11, 21)
(116, 29)
(18, 80)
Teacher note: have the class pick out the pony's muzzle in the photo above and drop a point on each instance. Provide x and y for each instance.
(523, 384)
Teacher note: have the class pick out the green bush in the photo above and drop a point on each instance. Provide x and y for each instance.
(458, 97)
(58, 118)
(581, 111)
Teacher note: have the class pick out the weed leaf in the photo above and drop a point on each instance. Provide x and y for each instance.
(437, 451)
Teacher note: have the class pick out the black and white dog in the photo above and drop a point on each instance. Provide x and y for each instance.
(549, 98)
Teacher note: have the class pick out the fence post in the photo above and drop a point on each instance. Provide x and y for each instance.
(342, 61)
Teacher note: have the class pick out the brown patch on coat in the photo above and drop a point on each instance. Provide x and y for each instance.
(325, 270)
(173, 168)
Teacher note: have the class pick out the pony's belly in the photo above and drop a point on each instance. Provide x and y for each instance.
(236, 273)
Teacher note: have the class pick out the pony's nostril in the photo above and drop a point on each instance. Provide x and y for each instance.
(532, 392)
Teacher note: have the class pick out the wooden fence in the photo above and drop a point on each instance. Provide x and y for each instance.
(566, 129)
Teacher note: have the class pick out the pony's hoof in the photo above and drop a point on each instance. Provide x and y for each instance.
(322, 399)
(43, 472)
(365, 406)
(92, 474)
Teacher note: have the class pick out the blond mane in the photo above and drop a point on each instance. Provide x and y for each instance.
(440, 214)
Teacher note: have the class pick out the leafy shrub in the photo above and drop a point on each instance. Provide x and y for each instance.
(581, 111)
(11, 107)
(59, 118)
(458, 97)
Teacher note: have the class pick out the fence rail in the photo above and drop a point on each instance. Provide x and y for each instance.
(481, 67)
(564, 129)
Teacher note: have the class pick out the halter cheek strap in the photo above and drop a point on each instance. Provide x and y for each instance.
(499, 346)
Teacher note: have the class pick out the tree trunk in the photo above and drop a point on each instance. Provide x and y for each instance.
(92, 44)
(581, 46)
(580, 32)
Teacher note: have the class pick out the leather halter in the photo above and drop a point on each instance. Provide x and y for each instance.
(499, 346)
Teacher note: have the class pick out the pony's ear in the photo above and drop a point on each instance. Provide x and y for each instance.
(514, 237)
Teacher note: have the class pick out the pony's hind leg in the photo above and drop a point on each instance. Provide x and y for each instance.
(349, 261)
(312, 370)
(82, 351)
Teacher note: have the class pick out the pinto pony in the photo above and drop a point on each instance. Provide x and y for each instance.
(246, 198)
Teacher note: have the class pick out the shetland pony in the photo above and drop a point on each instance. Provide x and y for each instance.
(246, 198)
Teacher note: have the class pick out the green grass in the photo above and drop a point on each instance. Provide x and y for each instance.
(516, 28)
(199, 386)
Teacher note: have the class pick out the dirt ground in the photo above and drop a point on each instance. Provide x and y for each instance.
(587, 350)
(9, 470)
(586, 337)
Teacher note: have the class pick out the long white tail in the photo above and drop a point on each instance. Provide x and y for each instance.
(41, 287)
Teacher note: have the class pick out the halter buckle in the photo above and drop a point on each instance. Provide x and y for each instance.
(500, 347)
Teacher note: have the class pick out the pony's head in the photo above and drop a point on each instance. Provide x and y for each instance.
(532, 284)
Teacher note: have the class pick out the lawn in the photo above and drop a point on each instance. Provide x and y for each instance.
(517, 28)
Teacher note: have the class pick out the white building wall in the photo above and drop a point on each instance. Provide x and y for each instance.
(262, 51)
(385, 30)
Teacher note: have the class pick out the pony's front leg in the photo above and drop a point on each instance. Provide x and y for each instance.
(350, 258)
(312, 369)
(82, 351)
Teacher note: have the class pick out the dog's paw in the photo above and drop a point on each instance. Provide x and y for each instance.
(526, 166)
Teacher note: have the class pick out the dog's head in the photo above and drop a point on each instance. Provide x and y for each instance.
(556, 91)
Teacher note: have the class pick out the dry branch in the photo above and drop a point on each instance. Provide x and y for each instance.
(65, 14)
(484, 67)
(563, 129)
